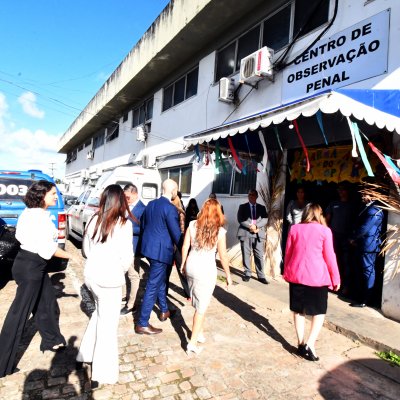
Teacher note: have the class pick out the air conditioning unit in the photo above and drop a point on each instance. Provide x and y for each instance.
(145, 161)
(226, 90)
(90, 155)
(141, 133)
(256, 66)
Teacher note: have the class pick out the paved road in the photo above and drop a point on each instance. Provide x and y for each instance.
(249, 354)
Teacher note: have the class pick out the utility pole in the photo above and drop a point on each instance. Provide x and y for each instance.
(52, 164)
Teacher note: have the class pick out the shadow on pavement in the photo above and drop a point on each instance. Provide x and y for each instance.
(55, 382)
(247, 313)
(366, 379)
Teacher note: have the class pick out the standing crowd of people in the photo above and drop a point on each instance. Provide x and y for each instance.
(124, 230)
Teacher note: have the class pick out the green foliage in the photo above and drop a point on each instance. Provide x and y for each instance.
(393, 358)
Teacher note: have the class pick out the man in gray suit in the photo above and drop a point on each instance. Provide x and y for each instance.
(252, 218)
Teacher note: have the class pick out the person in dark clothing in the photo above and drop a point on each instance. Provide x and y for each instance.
(192, 210)
(366, 240)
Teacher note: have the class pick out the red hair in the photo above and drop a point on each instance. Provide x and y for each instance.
(209, 220)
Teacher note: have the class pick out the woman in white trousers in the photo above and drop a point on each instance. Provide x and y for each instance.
(108, 244)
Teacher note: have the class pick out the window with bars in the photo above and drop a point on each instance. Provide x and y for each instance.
(181, 175)
(229, 181)
(275, 32)
(112, 133)
(182, 89)
(98, 140)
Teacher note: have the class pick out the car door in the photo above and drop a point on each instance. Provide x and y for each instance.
(73, 212)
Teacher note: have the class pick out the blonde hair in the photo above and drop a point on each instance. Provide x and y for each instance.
(313, 213)
(209, 220)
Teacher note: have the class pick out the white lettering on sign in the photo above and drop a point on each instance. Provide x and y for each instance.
(13, 190)
(357, 53)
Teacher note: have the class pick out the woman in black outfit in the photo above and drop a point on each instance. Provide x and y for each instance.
(192, 210)
(35, 293)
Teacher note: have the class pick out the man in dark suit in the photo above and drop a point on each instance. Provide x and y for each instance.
(367, 240)
(137, 208)
(252, 218)
(160, 232)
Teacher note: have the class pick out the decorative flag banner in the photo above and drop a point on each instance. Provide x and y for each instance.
(244, 168)
(265, 155)
(197, 151)
(207, 160)
(393, 172)
(296, 128)
(217, 157)
(234, 154)
(278, 138)
(354, 149)
(360, 146)
(392, 164)
(321, 125)
(233, 165)
(334, 164)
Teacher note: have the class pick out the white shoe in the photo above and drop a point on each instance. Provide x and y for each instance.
(191, 349)
(201, 339)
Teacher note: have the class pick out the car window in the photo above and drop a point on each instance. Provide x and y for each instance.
(13, 188)
(85, 198)
(94, 202)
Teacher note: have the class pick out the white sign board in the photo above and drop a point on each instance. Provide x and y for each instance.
(357, 53)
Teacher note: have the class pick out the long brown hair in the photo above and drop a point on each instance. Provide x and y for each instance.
(313, 213)
(113, 208)
(209, 220)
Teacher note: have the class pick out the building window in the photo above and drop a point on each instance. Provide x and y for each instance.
(98, 140)
(181, 175)
(143, 113)
(88, 143)
(80, 148)
(71, 156)
(276, 31)
(182, 89)
(125, 117)
(228, 181)
(112, 133)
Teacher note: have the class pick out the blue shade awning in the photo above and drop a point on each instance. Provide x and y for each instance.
(374, 107)
(387, 101)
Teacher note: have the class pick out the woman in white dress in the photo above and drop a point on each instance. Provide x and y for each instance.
(204, 236)
(109, 255)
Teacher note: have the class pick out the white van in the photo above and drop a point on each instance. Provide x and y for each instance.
(147, 181)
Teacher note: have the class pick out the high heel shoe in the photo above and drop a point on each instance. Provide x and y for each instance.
(201, 339)
(191, 349)
(310, 355)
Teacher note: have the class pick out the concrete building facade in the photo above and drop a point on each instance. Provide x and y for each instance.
(164, 106)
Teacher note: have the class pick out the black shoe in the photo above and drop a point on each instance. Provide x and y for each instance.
(301, 350)
(126, 311)
(263, 280)
(94, 385)
(309, 354)
(358, 305)
(245, 278)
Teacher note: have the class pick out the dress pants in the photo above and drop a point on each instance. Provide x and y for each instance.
(134, 282)
(155, 291)
(100, 342)
(35, 294)
(367, 276)
(256, 245)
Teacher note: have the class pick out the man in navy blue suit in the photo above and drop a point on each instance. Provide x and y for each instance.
(137, 208)
(160, 232)
(367, 241)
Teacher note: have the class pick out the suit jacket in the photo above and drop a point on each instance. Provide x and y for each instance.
(137, 212)
(310, 259)
(244, 219)
(160, 230)
(369, 226)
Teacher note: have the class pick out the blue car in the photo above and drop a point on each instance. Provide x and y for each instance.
(13, 187)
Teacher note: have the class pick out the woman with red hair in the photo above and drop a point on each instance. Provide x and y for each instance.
(204, 237)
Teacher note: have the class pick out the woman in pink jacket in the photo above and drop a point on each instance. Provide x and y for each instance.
(310, 268)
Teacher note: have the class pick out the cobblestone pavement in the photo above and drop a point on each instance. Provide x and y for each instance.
(249, 354)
